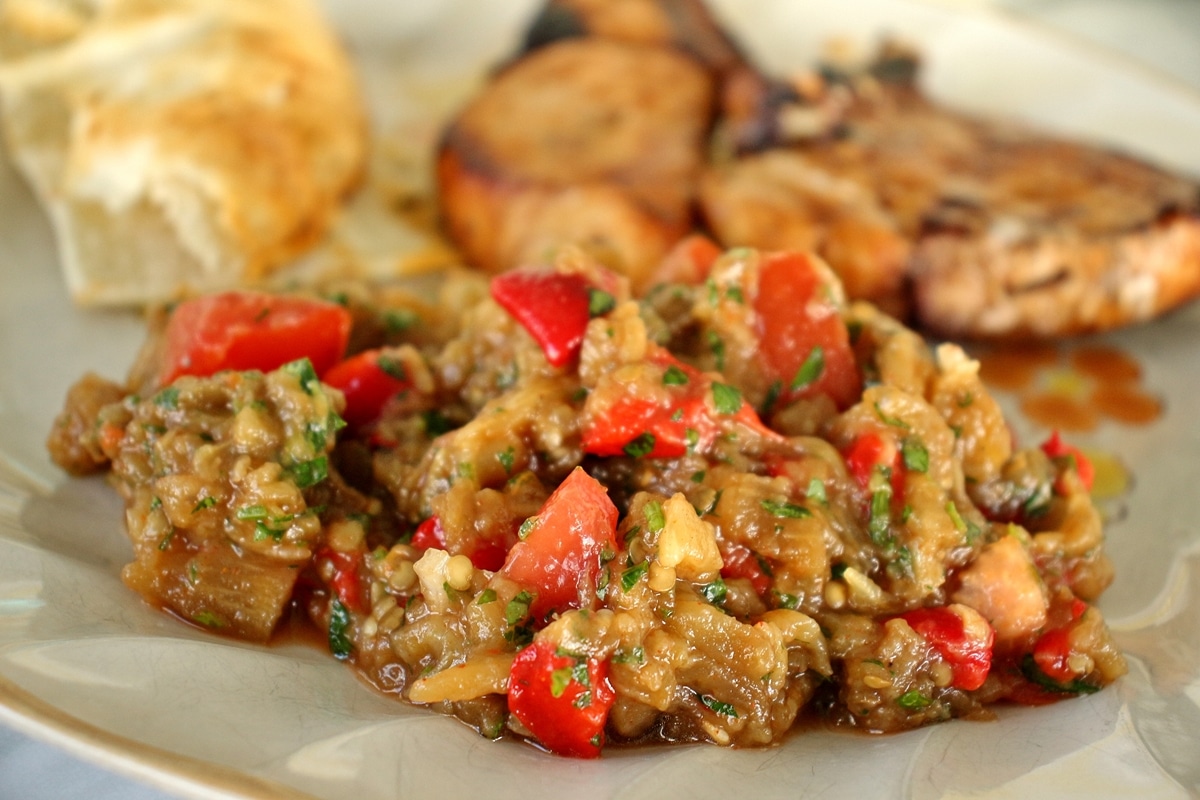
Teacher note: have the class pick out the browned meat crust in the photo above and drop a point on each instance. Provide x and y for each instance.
(586, 141)
(1013, 234)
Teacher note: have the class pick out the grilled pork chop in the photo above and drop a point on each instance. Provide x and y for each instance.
(1002, 231)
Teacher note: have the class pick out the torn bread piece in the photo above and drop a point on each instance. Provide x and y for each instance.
(179, 145)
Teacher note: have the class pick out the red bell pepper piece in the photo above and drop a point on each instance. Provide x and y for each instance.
(242, 330)
(692, 416)
(554, 307)
(349, 583)
(1057, 449)
(870, 451)
(487, 555)
(564, 547)
(741, 562)
(803, 340)
(968, 652)
(563, 700)
(368, 380)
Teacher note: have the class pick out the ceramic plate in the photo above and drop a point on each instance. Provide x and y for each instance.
(84, 663)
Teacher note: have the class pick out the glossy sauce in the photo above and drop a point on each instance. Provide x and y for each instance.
(1072, 389)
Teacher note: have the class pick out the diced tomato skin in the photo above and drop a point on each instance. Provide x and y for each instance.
(561, 556)
(243, 330)
(571, 724)
(366, 386)
(793, 320)
(1056, 448)
(552, 306)
(970, 659)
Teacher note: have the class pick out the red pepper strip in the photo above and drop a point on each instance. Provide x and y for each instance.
(1057, 449)
(485, 554)
(563, 700)
(348, 582)
(243, 330)
(368, 380)
(688, 418)
(969, 654)
(802, 337)
(741, 562)
(554, 308)
(562, 553)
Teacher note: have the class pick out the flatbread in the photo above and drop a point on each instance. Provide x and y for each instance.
(179, 145)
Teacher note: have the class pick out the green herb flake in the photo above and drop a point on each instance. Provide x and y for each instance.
(674, 376)
(507, 459)
(816, 491)
(913, 701)
(810, 371)
(785, 510)
(726, 399)
(715, 592)
(653, 512)
(208, 619)
(339, 631)
(641, 446)
(879, 523)
(486, 596)
(717, 706)
(517, 609)
(895, 422)
(698, 476)
(635, 655)
(716, 346)
(600, 302)
(915, 455)
(526, 527)
(310, 473)
(206, 503)
(305, 375)
(399, 320)
(631, 576)
(968, 529)
(771, 398)
(392, 367)
(167, 398)
(1034, 675)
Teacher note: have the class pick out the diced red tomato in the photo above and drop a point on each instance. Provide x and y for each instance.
(688, 418)
(689, 261)
(968, 651)
(484, 555)
(368, 380)
(1057, 449)
(554, 308)
(348, 582)
(563, 700)
(562, 554)
(797, 324)
(741, 562)
(243, 330)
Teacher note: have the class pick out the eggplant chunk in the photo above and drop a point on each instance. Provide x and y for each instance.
(589, 142)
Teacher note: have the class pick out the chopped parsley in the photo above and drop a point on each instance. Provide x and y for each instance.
(310, 473)
(653, 512)
(915, 455)
(913, 700)
(207, 502)
(339, 631)
(600, 302)
(810, 371)
(674, 376)
(717, 706)
(785, 510)
(631, 576)
(641, 446)
(726, 399)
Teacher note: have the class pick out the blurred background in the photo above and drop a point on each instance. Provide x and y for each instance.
(1161, 35)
